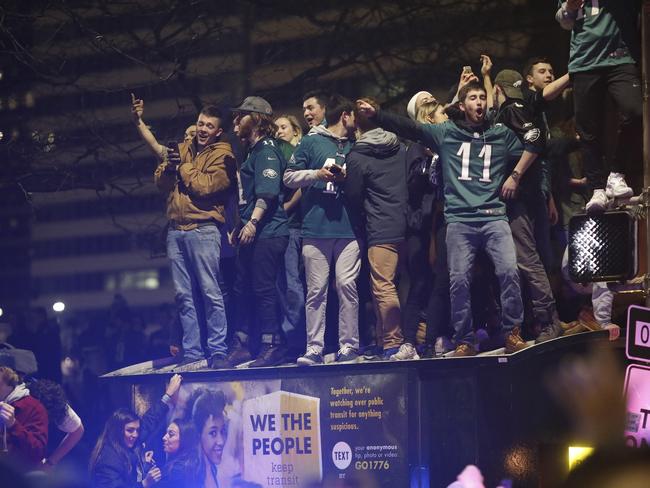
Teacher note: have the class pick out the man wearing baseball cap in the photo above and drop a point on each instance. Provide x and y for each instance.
(262, 237)
(515, 114)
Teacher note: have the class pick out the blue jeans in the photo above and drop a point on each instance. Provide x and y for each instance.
(464, 240)
(194, 256)
(292, 292)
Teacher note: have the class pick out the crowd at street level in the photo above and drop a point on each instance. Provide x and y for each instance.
(351, 186)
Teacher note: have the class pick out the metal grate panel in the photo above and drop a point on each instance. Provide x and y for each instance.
(602, 247)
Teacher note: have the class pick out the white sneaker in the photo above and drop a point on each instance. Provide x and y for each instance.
(406, 351)
(442, 346)
(598, 202)
(313, 355)
(616, 186)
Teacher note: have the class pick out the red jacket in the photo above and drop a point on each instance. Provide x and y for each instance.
(27, 439)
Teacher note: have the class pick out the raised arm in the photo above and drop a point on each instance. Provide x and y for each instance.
(486, 68)
(402, 126)
(568, 12)
(137, 110)
(555, 88)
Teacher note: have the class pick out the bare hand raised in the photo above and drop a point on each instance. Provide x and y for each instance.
(366, 109)
(174, 385)
(137, 108)
(574, 5)
(486, 65)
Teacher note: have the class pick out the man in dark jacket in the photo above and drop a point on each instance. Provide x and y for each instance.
(375, 187)
(23, 418)
(515, 114)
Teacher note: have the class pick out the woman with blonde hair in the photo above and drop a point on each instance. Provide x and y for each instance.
(289, 129)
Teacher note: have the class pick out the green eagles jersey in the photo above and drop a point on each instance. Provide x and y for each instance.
(261, 177)
(294, 217)
(604, 34)
(474, 166)
(323, 212)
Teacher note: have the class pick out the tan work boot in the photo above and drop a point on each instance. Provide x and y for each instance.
(514, 342)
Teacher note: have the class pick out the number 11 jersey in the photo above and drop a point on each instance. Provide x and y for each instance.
(474, 167)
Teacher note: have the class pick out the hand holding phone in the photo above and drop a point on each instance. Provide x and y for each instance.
(173, 156)
(335, 169)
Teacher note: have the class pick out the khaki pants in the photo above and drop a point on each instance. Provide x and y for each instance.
(384, 261)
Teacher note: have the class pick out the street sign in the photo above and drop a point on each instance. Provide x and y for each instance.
(637, 345)
(637, 394)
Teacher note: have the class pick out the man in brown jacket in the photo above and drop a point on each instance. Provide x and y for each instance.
(197, 179)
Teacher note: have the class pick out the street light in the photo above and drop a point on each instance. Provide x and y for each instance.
(58, 307)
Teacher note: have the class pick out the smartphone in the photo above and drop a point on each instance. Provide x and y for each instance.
(335, 169)
(173, 157)
(467, 69)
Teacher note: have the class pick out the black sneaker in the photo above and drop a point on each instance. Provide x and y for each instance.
(372, 353)
(219, 361)
(182, 361)
(313, 355)
(270, 355)
(347, 354)
(550, 331)
(428, 352)
(237, 353)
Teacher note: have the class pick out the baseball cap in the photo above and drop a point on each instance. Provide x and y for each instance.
(254, 104)
(511, 82)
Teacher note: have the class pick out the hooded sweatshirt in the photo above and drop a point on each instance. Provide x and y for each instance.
(322, 205)
(375, 187)
(27, 438)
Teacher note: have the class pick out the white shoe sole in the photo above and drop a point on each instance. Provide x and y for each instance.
(625, 194)
(307, 362)
(395, 358)
(595, 207)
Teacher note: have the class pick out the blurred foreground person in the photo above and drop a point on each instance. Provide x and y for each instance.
(590, 389)
(61, 414)
(23, 422)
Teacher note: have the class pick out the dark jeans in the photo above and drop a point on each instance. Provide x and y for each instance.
(424, 285)
(530, 265)
(420, 275)
(255, 293)
(291, 291)
(464, 241)
(589, 92)
(438, 309)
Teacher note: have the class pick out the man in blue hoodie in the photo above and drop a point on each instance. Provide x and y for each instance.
(317, 167)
